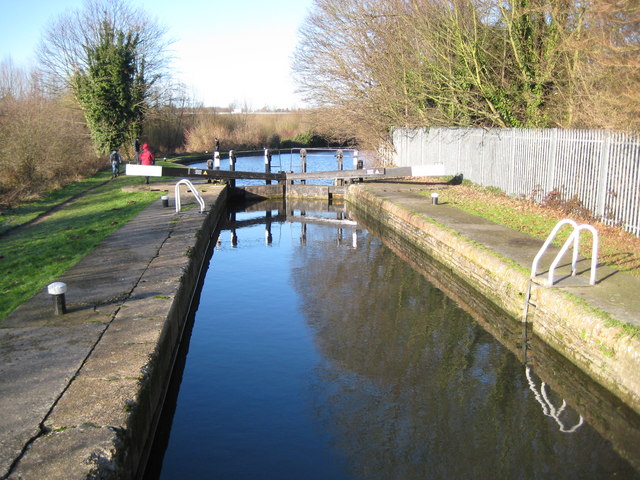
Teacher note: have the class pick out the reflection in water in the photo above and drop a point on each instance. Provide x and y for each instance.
(613, 420)
(416, 389)
(324, 355)
(548, 407)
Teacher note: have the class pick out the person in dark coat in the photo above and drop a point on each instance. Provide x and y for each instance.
(115, 163)
(136, 148)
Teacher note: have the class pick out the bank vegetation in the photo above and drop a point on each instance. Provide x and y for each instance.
(363, 65)
(373, 64)
(102, 79)
(46, 143)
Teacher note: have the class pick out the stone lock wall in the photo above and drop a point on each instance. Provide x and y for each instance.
(593, 343)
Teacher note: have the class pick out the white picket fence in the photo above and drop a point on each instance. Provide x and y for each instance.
(600, 168)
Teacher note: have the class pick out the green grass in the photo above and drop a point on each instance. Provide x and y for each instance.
(37, 254)
(25, 213)
(521, 220)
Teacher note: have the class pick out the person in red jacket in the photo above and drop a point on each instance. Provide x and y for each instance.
(147, 158)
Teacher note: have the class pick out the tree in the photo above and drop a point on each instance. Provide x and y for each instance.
(111, 89)
(374, 64)
(110, 55)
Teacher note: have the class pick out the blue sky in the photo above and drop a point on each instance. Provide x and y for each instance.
(225, 50)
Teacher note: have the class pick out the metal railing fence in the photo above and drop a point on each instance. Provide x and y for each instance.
(599, 168)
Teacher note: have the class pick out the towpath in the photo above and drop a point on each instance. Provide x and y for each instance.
(72, 385)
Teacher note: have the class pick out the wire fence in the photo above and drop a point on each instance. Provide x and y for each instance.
(600, 169)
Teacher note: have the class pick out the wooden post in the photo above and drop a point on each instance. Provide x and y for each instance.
(232, 167)
(303, 160)
(357, 163)
(267, 163)
(209, 167)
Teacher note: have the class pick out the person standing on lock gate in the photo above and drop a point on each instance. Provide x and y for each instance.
(217, 145)
(147, 158)
(136, 148)
(115, 163)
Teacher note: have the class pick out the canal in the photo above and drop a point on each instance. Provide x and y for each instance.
(317, 352)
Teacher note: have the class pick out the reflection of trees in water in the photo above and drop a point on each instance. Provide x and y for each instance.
(412, 388)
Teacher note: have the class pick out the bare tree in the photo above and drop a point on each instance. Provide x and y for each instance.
(110, 55)
(14, 81)
(373, 64)
(62, 51)
(44, 141)
(606, 83)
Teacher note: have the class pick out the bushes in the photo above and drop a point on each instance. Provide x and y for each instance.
(243, 130)
(45, 145)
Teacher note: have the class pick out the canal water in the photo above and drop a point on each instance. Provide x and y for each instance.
(317, 352)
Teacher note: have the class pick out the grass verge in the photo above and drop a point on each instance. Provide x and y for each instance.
(35, 255)
(618, 249)
(23, 214)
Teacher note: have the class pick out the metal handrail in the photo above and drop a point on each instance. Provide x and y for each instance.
(193, 189)
(545, 245)
(573, 238)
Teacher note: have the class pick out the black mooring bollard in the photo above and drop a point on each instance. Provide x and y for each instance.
(165, 200)
(434, 198)
(57, 290)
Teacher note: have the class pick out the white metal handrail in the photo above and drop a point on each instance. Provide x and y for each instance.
(574, 239)
(193, 189)
(545, 245)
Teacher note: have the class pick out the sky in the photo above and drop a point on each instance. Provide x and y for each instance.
(225, 51)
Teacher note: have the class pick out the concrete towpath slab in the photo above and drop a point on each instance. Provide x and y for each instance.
(54, 420)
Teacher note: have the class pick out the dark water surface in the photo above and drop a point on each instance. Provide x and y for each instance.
(317, 353)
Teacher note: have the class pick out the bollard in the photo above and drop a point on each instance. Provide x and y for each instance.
(57, 290)
(165, 200)
(216, 160)
(434, 198)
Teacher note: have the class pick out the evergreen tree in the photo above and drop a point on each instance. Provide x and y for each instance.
(111, 88)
